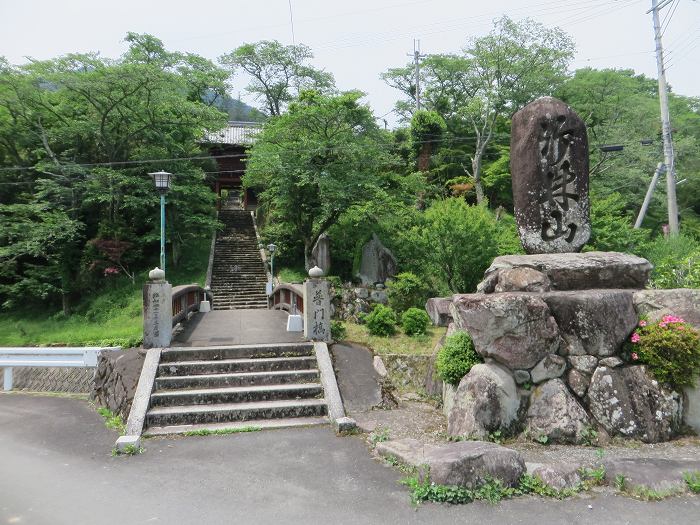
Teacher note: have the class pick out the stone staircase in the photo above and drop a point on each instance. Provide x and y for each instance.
(238, 272)
(213, 388)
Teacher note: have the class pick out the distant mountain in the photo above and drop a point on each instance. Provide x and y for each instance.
(236, 109)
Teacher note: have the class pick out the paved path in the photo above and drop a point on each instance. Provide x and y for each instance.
(237, 327)
(55, 469)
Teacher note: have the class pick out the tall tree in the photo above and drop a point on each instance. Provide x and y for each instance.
(278, 72)
(316, 161)
(77, 135)
(493, 77)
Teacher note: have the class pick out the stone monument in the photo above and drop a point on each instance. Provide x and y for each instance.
(321, 253)
(549, 166)
(377, 263)
(317, 307)
(157, 311)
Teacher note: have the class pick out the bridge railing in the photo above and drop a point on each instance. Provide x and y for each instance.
(186, 299)
(83, 357)
(288, 297)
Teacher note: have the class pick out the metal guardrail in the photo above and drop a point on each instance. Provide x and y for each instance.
(288, 297)
(82, 357)
(186, 299)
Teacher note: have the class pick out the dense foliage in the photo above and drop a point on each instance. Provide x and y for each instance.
(456, 358)
(77, 135)
(670, 348)
(415, 321)
(407, 290)
(381, 321)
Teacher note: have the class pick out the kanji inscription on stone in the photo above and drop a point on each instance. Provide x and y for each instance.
(549, 167)
(317, 310)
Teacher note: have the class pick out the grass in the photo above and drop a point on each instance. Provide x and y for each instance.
(112, 421)
(109, 317)
(292, 274)
(396, 344)
(221, 431)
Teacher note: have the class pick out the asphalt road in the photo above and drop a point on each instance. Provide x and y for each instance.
(56, 468)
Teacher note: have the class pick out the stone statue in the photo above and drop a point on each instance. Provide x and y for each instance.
(549, 166)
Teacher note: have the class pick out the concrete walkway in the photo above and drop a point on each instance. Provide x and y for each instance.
(237, 327)
(56, 468)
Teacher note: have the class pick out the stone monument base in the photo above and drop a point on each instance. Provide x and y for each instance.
(550, 329)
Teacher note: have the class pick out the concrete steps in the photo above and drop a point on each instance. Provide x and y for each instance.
(238, 272)
(236, 385)
(262, 424)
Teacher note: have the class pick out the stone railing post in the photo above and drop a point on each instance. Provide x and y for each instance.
(157, 311)
(317, 307)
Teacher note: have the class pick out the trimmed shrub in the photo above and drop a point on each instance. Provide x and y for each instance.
(338, 331)
(415, 321)
(407, 290)
(456, 358)
(670, 348)
(381, 321)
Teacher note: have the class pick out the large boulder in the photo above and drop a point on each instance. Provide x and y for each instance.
(559, 476)
(515, 329)
(627, 402)
(438, 309)
(377, 263)
(681, 302)
(551, 366)
(321, 253)
(486, 401)
(577, 271)
(522, 279)
(466, 464)
(593, 322)
(555, 413)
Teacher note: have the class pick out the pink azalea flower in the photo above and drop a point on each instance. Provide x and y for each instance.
(634, 356)
(635, 337)
(662, 325)
(642, 323)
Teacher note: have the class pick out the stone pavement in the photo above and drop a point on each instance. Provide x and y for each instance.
(56, 469)
(237, 327)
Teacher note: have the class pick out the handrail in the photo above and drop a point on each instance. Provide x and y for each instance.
(288, 297)
(186, 299)
(210, 265)
(76, 357)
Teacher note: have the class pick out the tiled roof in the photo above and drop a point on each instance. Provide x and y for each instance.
(239, 133)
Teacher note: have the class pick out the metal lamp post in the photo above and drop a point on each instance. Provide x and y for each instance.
(162, 180)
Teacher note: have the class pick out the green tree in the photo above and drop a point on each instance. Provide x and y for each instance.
(315, 162)
(456, 243)
(278, 72)
(495, 76)
(77, 135)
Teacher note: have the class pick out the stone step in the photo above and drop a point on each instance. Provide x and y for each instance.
(279, 377)
(236, 394)
(220, 413)
(236, 352)
(224, 366)
(262, 424)
(244, 307)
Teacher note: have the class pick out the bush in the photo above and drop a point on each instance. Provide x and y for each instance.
(415, 321)
(670, 348)
(338, 331)
(456, 358)
(381, 321)
(407, 290)
(676, 262)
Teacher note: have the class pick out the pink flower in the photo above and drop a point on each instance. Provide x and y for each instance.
(111, 270)
(662, 325)
(671, 319)
(634, 356)
(635, 337)
(642, 323)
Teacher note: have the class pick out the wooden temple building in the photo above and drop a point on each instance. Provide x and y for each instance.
(229, 147)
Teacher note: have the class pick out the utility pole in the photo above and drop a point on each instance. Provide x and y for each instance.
(660, 168)
(416, 60)
(665, 120)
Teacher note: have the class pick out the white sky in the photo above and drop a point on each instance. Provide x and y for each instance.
(355, 41)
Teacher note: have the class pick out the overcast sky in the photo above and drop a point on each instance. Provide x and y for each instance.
(355, 40)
